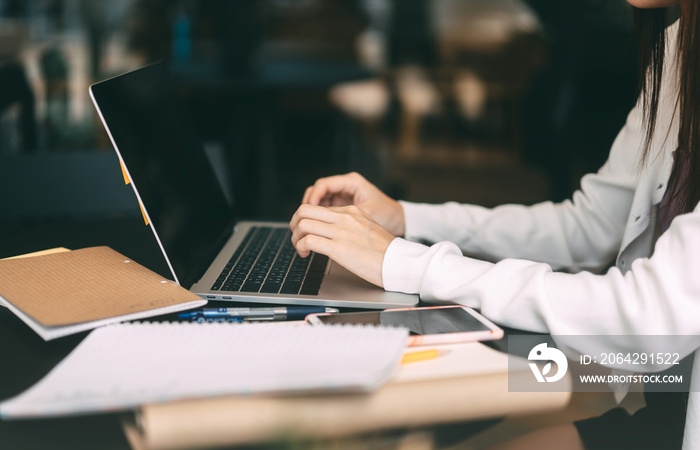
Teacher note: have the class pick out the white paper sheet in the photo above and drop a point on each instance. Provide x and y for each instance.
(126, 365)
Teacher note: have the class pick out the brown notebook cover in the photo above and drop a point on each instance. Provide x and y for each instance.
(85, 285)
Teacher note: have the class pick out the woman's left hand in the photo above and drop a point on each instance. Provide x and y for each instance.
(346, 234)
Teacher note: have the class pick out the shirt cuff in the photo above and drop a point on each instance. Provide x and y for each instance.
(398, 273)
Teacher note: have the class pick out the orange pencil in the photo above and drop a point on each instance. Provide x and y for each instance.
(420, 356)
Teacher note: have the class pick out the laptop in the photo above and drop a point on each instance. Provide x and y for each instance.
(206, 249)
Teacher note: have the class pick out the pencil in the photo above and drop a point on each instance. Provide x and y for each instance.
(420, 356)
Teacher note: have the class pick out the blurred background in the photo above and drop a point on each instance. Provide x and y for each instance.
(481, 101)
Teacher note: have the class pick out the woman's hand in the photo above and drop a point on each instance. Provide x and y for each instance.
(354, 189)
(346, 234)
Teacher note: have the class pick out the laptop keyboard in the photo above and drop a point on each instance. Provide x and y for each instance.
(266, 262)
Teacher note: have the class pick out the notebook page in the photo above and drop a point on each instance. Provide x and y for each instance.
(126, 365)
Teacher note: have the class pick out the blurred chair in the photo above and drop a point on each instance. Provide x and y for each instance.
(16, 91)
(418, 97)
(402, 50)
(459, 61)
(55, 72)
(364, 106)
(16, 95)
(364, 100)
(490, 51)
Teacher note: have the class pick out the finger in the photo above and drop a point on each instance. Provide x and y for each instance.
(345, 185)
(316, 194)
(315, 227)
(312, 243)
(312, 212)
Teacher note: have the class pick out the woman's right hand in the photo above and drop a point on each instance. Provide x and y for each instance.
(354, 189)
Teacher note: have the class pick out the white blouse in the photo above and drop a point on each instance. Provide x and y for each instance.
(538, 267)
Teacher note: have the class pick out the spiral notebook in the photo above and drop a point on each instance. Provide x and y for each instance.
(124, 366)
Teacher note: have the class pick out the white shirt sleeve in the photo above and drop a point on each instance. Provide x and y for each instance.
(530, 296)
(580, 234)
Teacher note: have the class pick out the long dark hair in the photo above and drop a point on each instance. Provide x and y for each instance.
(684, 183)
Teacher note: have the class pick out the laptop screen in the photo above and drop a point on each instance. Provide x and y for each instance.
(168, 166)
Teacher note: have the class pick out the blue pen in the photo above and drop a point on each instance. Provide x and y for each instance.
(202, 319)
(280, 313)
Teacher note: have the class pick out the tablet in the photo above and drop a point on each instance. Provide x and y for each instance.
(426, 325)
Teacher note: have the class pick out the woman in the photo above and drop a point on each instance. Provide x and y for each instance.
(640, 211)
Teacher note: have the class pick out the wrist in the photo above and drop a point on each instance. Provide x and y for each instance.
(398, 225)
